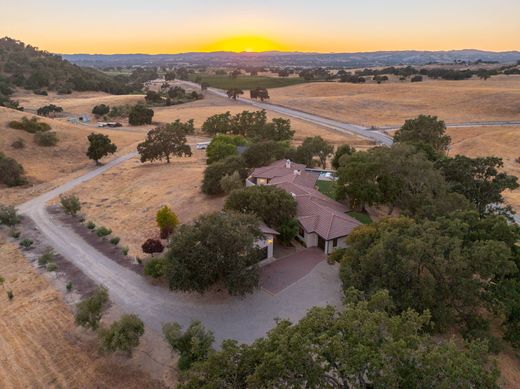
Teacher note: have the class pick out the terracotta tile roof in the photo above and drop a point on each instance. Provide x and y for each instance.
(279, 171)
(326, 218)
(316, 212)
(268, 230)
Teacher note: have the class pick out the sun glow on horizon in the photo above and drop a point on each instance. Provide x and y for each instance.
(245, 43)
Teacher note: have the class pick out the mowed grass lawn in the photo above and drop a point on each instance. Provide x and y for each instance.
(245, 82)
(328, 188)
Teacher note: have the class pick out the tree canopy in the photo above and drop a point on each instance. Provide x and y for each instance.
(217, 170)
(479, 180)
(218, 249)
(164, 142)
(139, 115)
(100, 145)
(424, 131)
(448, 266)
(362, 345)
(252, 125)
(222, 146)
(271, 204)
(314, 147)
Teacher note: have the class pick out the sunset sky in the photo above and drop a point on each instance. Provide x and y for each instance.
(170, 26)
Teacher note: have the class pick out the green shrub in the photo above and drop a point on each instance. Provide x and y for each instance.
(115, 240)
(69, 286)
(155, 267)
(336, 256)
(10, 294)
(103, 231)
(32, 125)
(125, 250)
(51, 266)
(101, 110)
(11, 172)
(70, 204)
(26, 243)
(90, 310)
(122, 335)
(9, 215)
(91, 225)
(46, 139)
(46, 258)
(18, 144)
(140, 115)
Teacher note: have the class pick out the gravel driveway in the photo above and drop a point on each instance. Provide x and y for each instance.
(228, 317)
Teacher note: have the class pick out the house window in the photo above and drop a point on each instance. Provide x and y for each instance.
(335, 242)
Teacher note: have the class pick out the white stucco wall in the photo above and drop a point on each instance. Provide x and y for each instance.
(267, 242)
(342, 243)
(311, 240)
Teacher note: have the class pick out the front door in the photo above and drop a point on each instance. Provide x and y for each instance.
(321, 243)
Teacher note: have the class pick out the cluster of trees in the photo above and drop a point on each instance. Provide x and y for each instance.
(27, 67)
(444, 73)
(43, 136)
(416, 176)
(252, 125)
(171, 96)
(451, 253)
(49, 110)
(365, 344)
(166, 141)
(264, 143)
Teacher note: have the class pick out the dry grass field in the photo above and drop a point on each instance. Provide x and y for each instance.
(392, 103)
(483, 141)
(211, 105)
(127, 197)
(47, 166)
(40, 347)
(76, 103)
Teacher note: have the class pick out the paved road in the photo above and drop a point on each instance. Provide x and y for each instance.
(229, 317)
(336, 125)
(462, 125)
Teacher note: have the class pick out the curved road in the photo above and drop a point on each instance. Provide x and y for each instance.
(228, 317)
(336, 125)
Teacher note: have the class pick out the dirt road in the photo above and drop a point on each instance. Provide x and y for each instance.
(229, 317)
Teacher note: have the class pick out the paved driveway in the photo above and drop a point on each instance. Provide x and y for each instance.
(286, 271)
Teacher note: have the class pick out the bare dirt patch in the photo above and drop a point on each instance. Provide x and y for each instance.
(390, 104)
(40, 345)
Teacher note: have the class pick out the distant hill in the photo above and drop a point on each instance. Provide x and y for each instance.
(274, 58)
(27, 67)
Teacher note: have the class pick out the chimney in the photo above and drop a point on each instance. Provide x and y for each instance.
(297, 172)
(288, 164)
